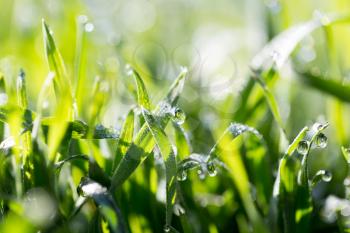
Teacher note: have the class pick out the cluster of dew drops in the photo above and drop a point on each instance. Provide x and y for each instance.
(321, 141)
(206, 168)
(178, 116)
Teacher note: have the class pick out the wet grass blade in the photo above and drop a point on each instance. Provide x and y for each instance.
(143, 143)
(167, 152)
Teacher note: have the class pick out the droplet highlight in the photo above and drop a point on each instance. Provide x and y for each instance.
(321, 140)
(327, 176)
(179, 116)
(211, 169)
(303, 147)
(182, 175)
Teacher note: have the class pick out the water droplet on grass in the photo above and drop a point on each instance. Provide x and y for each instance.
(303, 147)
(129, 70)
(89, 27)
(327, 176)
(182, 175)
(179, 116)
(211, 168)
(201, 173)
(167, 228)
(321, 140)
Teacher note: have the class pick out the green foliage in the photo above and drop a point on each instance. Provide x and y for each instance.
(172, 165)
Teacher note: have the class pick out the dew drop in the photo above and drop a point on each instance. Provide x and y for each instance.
(327, 176)
(303, 147)
(128, 69)
(166, 228)
(89, 27)
(179, 116)
(321, 140)
(182, 175)
(211, 168)
(201, 173)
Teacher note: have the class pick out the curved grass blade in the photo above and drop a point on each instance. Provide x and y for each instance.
(60, 164)
(277, 51)
(239, 174)
(106, 205)
(143, 143)
(167, 152)
(125, 138)
(285, 186)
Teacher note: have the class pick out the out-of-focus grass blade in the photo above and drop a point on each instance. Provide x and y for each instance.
(64, 109)
(106, 205)
(59, 126)
(277, 51)
(167, 152)
(329, 86)
(26, 136)
(182, 142)
(272, 103)
(143, 143)
(55, 61)
(142, 96)
(224, 148)
(125, 138)
(99, 97)
(80, 61)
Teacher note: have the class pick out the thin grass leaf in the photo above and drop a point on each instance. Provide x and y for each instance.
(55, 61)
(98, 99)
(142, 96)
(331, 87)
(143, 143)
(167, 152)
(26, 137)
(125, 138)
(80, 61)
(272, 103)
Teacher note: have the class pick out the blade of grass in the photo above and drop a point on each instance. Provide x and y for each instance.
(239, 174)
(143, 143)
(125, 139)
(167, 152)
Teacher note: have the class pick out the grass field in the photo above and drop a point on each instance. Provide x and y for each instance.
(174, 116)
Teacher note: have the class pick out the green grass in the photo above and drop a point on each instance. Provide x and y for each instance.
(259, 160)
